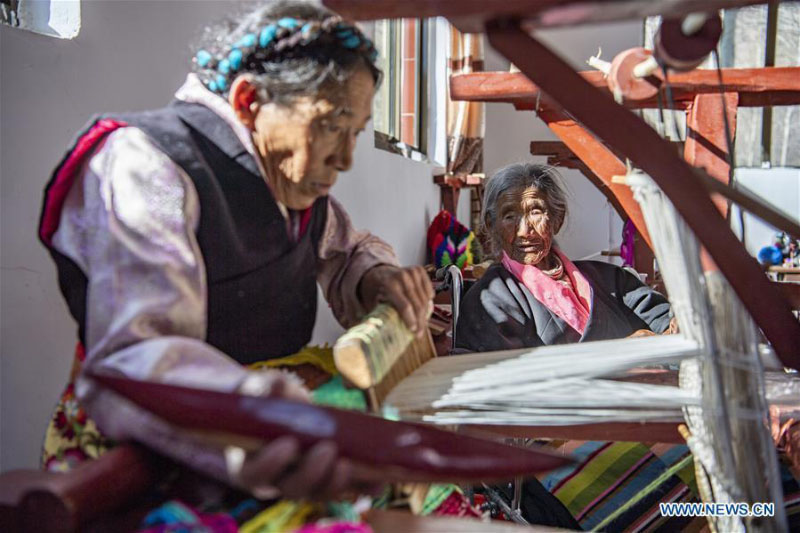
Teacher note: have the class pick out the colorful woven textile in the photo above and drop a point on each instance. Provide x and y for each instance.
(71, 436)
(617, 486)
(177, 517)
(450, 242)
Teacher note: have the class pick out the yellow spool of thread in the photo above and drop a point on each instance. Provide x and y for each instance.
(367, 351)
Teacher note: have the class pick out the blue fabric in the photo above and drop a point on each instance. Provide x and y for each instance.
(171, 512)
(580, 455)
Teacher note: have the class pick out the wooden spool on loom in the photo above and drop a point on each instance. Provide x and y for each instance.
(377, 354)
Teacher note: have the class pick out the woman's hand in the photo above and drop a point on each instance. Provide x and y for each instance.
(408, 290)
(641, 333)
(280, 468)
(785, 429)
(671, 330)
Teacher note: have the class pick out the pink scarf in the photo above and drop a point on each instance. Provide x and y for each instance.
(572, 305)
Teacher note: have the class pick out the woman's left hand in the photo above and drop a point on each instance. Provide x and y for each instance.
(409, 290)
(641, 333)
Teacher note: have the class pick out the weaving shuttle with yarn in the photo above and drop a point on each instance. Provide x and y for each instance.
(397, 452)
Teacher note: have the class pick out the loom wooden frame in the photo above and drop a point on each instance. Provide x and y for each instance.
(506, 33)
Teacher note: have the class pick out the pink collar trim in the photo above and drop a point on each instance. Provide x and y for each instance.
(572, 305)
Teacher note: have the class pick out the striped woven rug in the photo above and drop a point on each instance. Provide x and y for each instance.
(617, 486)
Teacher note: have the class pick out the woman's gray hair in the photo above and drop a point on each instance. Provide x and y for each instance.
(544, 178)
(290, 69)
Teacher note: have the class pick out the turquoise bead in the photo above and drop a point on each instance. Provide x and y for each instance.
(224, 66)
(235, 59)
(267, 35)
(351, 42)
(212, 86)
(222, 82)
(306, 29)
(288, 23)
(247, 41)
(203, 58)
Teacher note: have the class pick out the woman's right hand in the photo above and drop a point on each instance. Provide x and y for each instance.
(280, 467)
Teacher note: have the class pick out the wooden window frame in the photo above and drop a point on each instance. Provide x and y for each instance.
(390, 134)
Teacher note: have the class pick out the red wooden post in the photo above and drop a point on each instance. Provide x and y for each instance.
(707, 144)
(600, 160)
(604, 165)
(450, 199)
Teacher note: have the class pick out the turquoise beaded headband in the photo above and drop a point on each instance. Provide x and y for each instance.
(285, 33)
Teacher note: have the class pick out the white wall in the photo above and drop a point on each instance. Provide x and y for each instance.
(128, 56)
(592, 225)
(778, 186)
(132, 55)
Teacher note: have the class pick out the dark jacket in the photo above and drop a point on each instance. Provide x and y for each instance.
(262, 288)
(500, 313)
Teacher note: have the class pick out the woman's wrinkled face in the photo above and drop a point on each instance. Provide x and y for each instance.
(304, 146)
(525, 225)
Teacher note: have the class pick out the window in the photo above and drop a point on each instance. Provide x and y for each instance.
(400, 106)
(56, 18)
(8, 12)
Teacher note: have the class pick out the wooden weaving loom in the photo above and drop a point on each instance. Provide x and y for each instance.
(602, 133)
(584, 104)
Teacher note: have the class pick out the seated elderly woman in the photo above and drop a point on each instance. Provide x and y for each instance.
(534, 295)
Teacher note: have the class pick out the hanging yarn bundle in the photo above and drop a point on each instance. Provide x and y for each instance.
(450, 242)
(727, 375)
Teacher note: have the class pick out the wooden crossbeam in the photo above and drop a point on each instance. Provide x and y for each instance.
(790, 292)
(451, 186)
(602, 163)
(559, 154)
(756, 87)
(471, 15)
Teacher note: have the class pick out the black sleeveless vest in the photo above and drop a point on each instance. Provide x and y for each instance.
(262, 296)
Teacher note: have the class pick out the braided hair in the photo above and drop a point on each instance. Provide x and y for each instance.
(291, 48)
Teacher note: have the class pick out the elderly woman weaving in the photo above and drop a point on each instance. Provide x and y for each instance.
(189, 240)
(534, 295)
